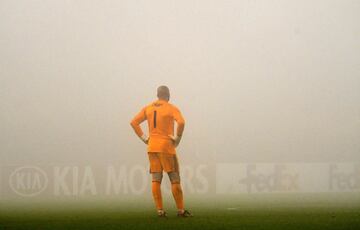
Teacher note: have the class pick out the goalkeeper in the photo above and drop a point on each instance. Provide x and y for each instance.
(161, 142)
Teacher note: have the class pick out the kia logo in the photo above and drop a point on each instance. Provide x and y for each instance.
(28, 181)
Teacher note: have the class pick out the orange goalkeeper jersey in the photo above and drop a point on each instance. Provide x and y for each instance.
(160, 116)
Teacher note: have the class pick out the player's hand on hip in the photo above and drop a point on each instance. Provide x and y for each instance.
(145, 139)
(175, 139)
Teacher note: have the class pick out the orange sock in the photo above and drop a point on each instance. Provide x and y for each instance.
(178, 196)
(156, 191)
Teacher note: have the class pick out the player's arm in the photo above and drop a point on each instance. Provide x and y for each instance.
(135, 124)
(180, 126)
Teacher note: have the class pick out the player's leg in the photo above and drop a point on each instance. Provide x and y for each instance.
(177, 190)
(156, 174)
(171, 166)
(156, 192)
(178, 194)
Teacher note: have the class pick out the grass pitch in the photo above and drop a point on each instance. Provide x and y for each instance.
(230, 212)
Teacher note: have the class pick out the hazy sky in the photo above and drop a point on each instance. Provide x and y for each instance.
(256, 80)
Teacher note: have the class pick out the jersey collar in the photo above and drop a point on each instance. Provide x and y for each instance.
(162, 101)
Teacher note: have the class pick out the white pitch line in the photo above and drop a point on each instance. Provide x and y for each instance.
(233, 208)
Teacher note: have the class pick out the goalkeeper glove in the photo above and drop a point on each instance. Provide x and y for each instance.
(176, 140)
(145, 139)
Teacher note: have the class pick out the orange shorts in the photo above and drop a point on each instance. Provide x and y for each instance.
(163, 162)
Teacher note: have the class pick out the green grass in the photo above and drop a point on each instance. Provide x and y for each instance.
(230, 212)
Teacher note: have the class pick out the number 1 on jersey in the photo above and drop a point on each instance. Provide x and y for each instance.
(155, 119)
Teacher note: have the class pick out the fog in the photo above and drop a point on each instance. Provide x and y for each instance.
(257, 81)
